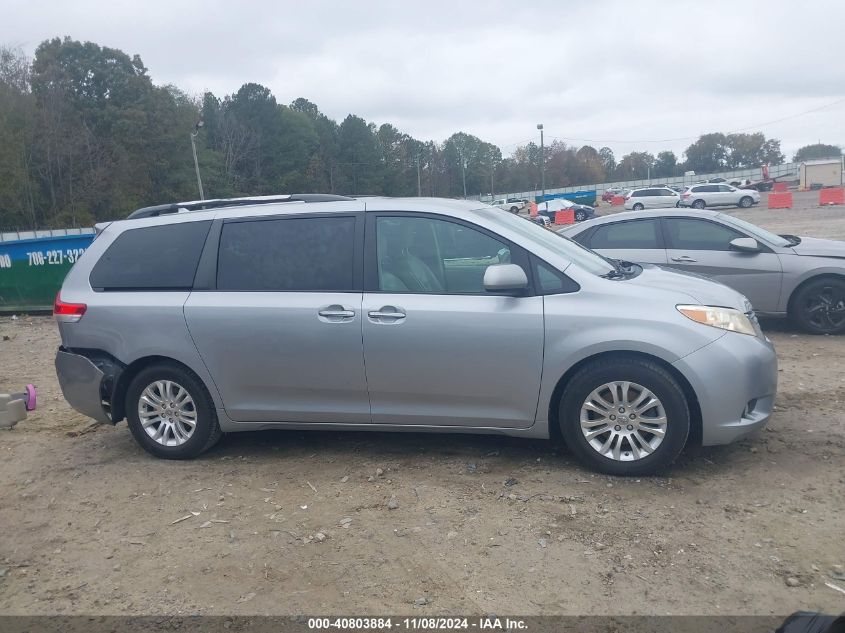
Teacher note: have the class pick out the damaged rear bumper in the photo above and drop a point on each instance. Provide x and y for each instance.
(88, 382)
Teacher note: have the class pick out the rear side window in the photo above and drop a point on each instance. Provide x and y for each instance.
(288, 254)
(152, 258)
(633, 234)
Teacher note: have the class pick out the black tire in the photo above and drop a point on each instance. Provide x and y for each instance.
(699, 204)
(678, 204)
(745, 202)
(580, 216)
(514, 210)
(638, 207)
(207, 430)
(818, 307)
(642, 372)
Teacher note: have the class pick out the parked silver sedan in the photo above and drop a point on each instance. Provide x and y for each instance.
(782, 275)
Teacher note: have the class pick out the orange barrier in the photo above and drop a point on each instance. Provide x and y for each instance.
(779, 187)
(834, 195)
(617, 201)
(567, 216)
(532, 209)
(780, 200)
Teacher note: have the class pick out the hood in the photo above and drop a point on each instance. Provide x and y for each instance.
(816, 247)
(701, 290)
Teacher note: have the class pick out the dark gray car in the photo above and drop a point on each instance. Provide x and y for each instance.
(782, 275)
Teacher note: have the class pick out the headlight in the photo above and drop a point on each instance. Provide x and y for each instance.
(722, 318)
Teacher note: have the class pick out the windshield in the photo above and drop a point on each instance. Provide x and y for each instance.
(571, 250)
(756, 231)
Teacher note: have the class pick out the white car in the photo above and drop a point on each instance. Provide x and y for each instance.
(718, 195)
(651, 198)
(514, 205)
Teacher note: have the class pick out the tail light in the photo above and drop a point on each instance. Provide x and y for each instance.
(68, 312)
(685, 195)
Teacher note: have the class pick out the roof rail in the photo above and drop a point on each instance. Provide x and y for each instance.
(198, 205)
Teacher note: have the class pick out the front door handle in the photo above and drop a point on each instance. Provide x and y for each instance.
(683, 258)
(387, 312)
(335, 313)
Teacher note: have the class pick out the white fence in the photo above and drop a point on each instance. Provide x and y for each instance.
(784, 171)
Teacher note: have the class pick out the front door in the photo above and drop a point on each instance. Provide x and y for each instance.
(439, 349)
(703, 247)
(281, 331)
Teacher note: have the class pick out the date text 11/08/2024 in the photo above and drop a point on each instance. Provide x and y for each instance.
(418, 624)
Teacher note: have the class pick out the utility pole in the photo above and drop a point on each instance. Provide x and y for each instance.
(542, 162)
(194, 135)
(419, 182)
(464, 173)
(492, 170)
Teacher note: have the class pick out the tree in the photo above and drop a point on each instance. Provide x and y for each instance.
(666, 165)
(608, 161)
(635, 166)
(751, 150)
(707, 154)
(816, 151)
(361, 159)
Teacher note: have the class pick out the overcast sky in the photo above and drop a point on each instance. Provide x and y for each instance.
(628, 74)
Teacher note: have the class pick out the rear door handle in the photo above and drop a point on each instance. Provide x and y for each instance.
(683, 258)
(386, 312)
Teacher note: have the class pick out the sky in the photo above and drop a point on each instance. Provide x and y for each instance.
(644, 75)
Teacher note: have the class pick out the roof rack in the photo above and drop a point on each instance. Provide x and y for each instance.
(198, 205)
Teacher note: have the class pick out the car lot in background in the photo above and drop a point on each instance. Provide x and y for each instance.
(514, 205)
(651, 198)
(803, 278)
(580, 212)
(608, 194)
(718, 195)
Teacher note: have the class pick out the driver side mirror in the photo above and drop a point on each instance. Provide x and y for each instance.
(505, 278)
(745, 245)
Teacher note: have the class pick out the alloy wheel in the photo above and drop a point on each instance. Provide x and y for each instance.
(623, 421)
(825, 310)
(167, 413)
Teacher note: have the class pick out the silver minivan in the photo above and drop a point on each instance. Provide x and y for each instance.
(191, 320)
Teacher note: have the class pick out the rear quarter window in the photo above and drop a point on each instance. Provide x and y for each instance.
(161, 257)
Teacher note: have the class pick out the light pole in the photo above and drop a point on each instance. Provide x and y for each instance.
(194, 135)
(542, 162)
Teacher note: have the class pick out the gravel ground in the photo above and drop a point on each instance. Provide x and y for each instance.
(352, 523)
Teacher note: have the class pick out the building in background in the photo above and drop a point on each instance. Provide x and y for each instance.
(820, 173)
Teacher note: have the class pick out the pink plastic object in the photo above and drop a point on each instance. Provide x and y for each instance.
(31, 397)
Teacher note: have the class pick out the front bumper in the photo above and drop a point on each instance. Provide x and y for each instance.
(82, 385)
(735, 381)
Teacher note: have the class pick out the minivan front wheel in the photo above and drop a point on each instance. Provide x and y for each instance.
(624, 416)
(170, 412)
(638, 207)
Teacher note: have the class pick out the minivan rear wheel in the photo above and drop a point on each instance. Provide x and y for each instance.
(638, 207)
(170, 412)
(699, 204)
(624, 416)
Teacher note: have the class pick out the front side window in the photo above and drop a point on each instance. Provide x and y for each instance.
(427, 255)
(161, 257)
(622, 235)
(288, 254)
(699, 235)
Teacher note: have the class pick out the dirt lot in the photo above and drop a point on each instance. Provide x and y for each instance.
(91, 524)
